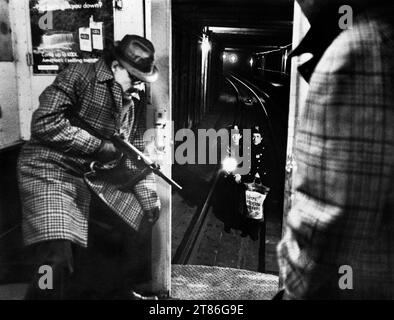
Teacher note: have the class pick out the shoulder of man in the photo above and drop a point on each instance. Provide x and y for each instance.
(362, 47)
(75, 77)
(84, 71)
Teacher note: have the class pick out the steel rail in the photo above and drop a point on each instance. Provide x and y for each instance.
(270, 127)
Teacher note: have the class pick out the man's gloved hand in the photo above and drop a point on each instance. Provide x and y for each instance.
(152, 215)
(107, 152)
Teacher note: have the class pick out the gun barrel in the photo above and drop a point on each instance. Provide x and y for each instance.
(167, 179)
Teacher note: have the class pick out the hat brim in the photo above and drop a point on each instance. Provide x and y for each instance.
(146, 77)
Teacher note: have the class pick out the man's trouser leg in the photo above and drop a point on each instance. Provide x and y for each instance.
(116, 258)
(136, 259)
(124, 253)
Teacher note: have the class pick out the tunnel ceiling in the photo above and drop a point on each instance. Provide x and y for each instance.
(239, 24)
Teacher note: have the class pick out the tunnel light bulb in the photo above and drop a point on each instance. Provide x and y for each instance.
(229, 164)
(224, 56)
(233, 58)
(251, 62)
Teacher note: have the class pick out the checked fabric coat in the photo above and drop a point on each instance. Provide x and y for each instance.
(339, 239)
(53, 167)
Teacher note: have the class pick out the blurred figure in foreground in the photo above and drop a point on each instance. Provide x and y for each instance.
(339, 235)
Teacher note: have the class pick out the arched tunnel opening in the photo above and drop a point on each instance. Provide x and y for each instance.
(230, 68)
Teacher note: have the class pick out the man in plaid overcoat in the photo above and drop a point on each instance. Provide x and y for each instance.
(339, 239)
(57, 185)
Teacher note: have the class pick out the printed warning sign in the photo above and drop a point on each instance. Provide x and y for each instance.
(254, 204)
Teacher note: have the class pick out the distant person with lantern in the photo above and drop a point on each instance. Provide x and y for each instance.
(256, 186)
(228, 196)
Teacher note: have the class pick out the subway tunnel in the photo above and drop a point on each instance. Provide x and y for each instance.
(230, 67)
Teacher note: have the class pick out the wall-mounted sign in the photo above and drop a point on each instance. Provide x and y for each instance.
(69, 31)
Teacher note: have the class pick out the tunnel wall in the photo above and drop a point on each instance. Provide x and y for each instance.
(190, 104)
(187, 94)
(215, 75)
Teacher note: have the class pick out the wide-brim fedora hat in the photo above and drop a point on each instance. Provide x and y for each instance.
(137, 55)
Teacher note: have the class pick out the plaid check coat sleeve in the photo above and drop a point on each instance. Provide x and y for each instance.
(344, 184)
(50, 124)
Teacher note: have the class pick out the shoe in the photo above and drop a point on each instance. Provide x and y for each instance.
(136, 296)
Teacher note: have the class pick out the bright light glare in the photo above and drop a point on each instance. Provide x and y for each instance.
(251, 62)
(233, 58)
(205, 45)
(224, 56)
(229, 164)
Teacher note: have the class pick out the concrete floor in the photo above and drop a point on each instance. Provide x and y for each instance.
(191, 282)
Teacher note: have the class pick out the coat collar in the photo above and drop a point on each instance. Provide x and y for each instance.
(325, 28)
(103, 72)
(316, 41)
